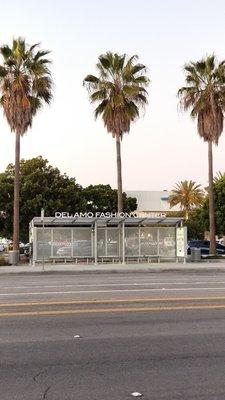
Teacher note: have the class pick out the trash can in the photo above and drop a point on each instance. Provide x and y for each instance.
(195, 254)
(14, 256)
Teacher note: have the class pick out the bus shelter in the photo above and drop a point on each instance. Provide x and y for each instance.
(116, 239)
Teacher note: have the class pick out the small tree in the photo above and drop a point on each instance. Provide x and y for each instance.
(188, 195)
(41, 186)
(196, 225)
(104, 198)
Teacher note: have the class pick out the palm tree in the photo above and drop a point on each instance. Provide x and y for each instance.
(188, 195)
(204, 96)
(119, 90)
(25, 83)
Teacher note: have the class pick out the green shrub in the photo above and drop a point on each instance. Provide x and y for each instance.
(2, 261)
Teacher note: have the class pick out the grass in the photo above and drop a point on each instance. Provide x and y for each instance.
(211, 257)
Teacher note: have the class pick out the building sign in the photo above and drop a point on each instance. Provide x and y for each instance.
(181, 241)
(65, 214)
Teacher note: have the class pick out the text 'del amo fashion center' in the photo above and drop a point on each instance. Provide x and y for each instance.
(107, 237)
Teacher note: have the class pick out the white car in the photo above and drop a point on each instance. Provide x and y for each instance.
(2, 247)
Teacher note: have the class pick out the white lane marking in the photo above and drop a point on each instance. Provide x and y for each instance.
(209, 278)
(206, 278)
(112, 284)
(108, 291)
(95, 285)
(87, 285)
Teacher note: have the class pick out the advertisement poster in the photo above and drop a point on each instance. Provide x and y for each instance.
(181, 241)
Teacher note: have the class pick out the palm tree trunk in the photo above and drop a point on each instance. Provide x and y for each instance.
(119, 177)
(186, 215)
(16, 195)
(212, 226)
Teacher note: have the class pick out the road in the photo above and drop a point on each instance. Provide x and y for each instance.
(104, 337)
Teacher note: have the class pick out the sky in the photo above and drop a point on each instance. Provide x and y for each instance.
(163, 146)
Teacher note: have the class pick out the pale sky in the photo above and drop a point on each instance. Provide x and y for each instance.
(163, 146)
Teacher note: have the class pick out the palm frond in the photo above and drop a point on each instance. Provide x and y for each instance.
(105, 62)
(3, 72)
(6, 52)
(31, 49)
(98, 95)
(91, 79)
(141, 80)
(137, 68)
(219, 176)
(99, 110)
(40, 54)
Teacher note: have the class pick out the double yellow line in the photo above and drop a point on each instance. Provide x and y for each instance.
(108, 310)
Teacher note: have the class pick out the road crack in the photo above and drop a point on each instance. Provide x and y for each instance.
(35, 379)
(46, 392)
(37, 375)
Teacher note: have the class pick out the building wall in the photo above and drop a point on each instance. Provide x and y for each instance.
(152, 201)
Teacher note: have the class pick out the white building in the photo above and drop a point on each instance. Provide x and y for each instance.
(152, 201)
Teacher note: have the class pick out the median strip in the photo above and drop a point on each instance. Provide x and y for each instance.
(110, 301)
(111, 310)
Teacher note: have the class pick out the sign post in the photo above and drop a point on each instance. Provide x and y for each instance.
(43, 231)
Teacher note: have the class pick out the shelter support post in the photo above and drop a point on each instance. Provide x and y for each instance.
(95, 243)
(43, 238)
(177, 259)
(158, 245)
(123, 243)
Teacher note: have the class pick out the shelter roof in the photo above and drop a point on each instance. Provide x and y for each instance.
(115, 221)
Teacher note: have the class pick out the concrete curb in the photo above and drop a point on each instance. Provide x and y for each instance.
(184, 270)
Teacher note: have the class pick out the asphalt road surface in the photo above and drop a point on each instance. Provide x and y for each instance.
(104, 337)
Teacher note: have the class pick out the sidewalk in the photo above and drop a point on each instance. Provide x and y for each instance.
(206, 266)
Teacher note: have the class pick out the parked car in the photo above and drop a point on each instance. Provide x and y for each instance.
(203, 245)
(27, 249)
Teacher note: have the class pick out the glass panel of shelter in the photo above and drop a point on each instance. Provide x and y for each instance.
(64, 243)
(148, 241)
(113, 242)
(82, 242)
(101, 242)
(131, 242)
(167, 242)
(108, 242)
(61, 242)
(43, 244)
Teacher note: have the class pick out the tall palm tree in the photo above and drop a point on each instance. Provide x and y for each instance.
(25, 83)
(188, 195)
(119, 90)
(204, 96)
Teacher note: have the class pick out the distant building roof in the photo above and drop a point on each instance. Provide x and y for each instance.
(152, 200)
